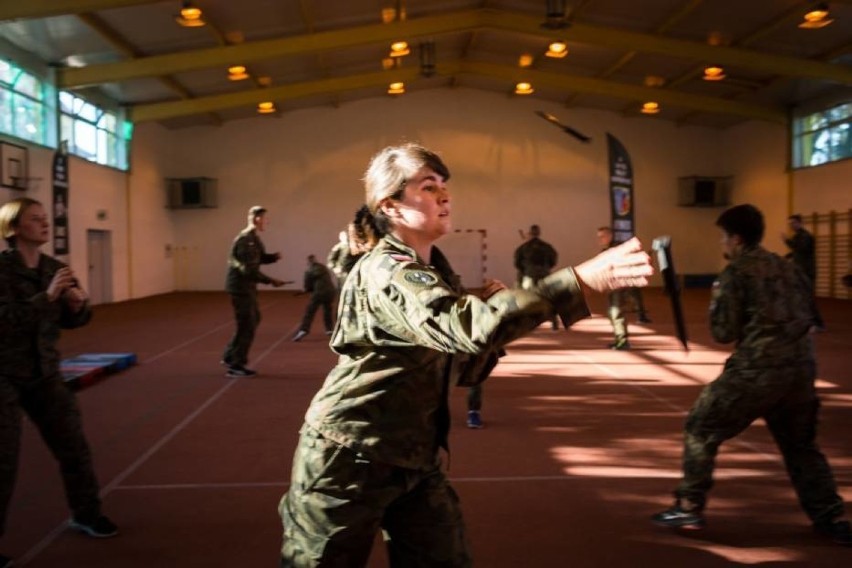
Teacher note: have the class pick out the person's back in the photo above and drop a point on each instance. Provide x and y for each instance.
(319, 280)
(764, 306)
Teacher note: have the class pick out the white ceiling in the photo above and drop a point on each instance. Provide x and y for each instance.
(324, 52)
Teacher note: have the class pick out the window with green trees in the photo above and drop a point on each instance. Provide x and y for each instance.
(93, 132)
(23, 107)
(823, 136)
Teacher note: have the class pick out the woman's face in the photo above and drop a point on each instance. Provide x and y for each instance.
(425, 205)
(33, 227)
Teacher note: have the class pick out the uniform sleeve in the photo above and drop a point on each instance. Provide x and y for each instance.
(727, 308)
(70, 320)
(421, 307)
(19, 314)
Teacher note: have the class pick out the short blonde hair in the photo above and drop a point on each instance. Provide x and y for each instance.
(10, 217)
(393, 167)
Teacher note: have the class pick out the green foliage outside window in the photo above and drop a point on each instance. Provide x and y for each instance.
(823, 136)
(23, 112)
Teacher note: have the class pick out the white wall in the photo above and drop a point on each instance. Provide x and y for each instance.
(509, 169)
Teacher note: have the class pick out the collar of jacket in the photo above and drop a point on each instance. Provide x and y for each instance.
(397, 244)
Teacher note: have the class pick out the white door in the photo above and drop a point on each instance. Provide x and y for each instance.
(100, 266)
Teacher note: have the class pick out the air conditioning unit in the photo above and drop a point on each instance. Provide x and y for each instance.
(704, 191)
(191, 193)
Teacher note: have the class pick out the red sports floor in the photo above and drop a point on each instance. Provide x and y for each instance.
(581, 446)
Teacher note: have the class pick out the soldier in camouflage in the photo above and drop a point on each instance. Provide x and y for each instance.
(763, 305)
(533, 261)
(38, 296)
(247, 254)
(803, 254)
(369, 453)
(321, 284)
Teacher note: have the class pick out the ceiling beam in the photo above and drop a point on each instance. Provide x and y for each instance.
(19, 9)
(510, 74)
(453, 22)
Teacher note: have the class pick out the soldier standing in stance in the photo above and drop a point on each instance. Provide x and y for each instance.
(247, 254)
(534, 260)
(320, 283)
(763, 304)
(803, 254)
(369, 457)
(38, 296)
(615, 300)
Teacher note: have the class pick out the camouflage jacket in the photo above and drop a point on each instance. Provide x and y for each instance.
(404, 335)
(319, 281)
(247, 254)
(337, 258)
(762, 303)
(29, 322)
(535, 258)
(803, 251)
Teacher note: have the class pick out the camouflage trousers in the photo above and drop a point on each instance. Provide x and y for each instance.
(785, 397)
(615, 311)
(326, 302)
(247, 315)
(338, 501)
(53, 409)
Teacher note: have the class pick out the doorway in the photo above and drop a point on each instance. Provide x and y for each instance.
(99, 246)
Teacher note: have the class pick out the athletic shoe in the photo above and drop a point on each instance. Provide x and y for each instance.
(6, 562)
(300, 335)
(240, 371)
(620, 345)
(839, 532)
(97, 527)
(677, 518)
(224, 363)
(474, 420)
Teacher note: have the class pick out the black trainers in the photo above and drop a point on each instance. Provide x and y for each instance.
(99, 527)
(474, 420)
(621, 345)
(240, 371)
(840, 532)
(677, 518)
(6, 562)
(300, 335)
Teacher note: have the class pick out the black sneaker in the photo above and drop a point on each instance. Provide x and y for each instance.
(6, 562)
(474, 420)
(621, 345)
(840, 532)
(240, 371)
(677, 518)
(99, 527)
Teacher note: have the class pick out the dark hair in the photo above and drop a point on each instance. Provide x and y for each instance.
(605, 228)
(257, 211)
(535, 230)
(745, 221)
(365, 231)
(795, 217)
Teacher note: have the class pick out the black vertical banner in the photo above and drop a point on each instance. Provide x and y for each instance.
(61, 235)
(620, 190)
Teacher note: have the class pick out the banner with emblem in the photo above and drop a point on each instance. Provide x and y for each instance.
(61, 236)
(620, 190)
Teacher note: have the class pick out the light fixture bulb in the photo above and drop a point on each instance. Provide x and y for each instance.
(557, 49)
(237, 73)
(816, 18)
(524, 88)
(714, 73)
(525, 60)
(397, 88)
(399, 48)
(266, 107)
(189, 16)
(651, 107)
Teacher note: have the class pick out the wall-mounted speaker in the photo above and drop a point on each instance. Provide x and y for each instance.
(191, 193)
(704, 191)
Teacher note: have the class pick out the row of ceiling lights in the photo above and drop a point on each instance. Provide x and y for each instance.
(191, 16)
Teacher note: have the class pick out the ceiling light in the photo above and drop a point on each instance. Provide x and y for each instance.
(189, 16)
(650, 108)
(525, 60)
(816, 18)
(237, 73)
(399, 48)
(714, 73)
(557, 49)
(396, 88)
(524, 89)
(654, 81)
(266, 107)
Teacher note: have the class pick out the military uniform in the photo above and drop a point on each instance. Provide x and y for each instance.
(30, 380)
(247, 254)
(803, 254)
(763, 304)
(368, 457)
(319, 281)
(533, 261)
(616, 313)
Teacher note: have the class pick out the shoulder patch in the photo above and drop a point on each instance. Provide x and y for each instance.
(420, 277)
(401, 257)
